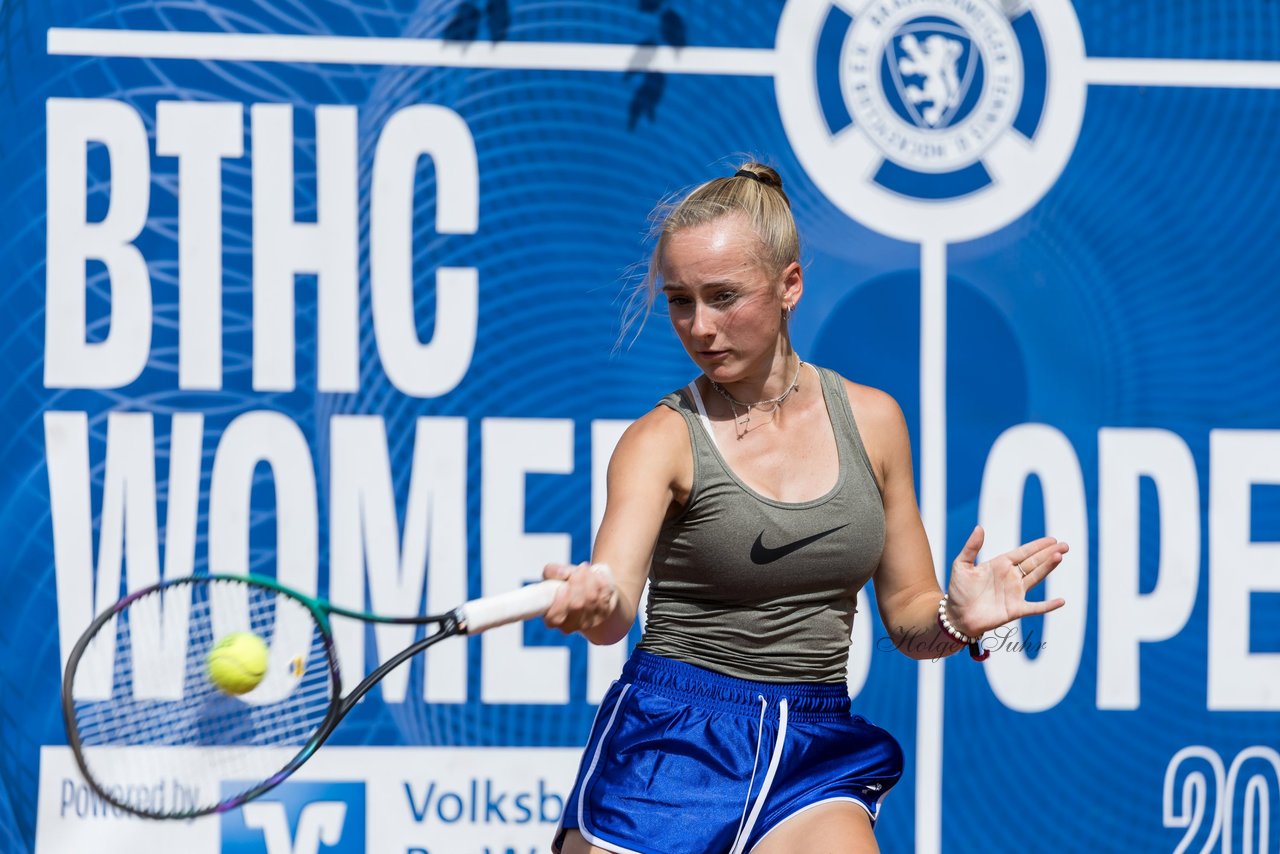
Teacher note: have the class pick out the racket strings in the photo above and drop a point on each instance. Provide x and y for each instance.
(164, 726)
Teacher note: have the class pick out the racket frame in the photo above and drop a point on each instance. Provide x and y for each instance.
(451, 623)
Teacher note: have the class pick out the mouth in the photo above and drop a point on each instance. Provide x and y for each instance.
(713, 354)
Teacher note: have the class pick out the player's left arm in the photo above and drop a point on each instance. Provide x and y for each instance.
(982, 596)
(907, 591)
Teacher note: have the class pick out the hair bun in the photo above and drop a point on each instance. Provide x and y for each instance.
(760, 172)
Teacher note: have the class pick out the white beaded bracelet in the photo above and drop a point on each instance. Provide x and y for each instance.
(955, 634)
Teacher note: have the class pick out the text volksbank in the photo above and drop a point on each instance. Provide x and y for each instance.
(483, 800)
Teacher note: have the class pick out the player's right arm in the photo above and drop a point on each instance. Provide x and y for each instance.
(650, 475)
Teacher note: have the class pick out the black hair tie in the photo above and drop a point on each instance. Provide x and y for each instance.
(747, 173)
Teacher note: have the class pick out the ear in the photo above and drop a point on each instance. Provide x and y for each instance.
(792, 284)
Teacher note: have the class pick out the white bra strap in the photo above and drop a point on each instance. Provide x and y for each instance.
(702, 412)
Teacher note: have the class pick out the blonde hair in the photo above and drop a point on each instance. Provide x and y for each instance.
(753, 192)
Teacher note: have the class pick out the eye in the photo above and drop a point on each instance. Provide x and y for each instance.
(674, 300)
(726, 297)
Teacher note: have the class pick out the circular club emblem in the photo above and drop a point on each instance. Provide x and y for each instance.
(932, 119)
(933, 84)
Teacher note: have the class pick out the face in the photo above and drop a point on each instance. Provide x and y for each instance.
(725, 307)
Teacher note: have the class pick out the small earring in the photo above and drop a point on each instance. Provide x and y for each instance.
(786, 312)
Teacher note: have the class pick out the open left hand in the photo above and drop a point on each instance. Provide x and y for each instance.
(994, 592)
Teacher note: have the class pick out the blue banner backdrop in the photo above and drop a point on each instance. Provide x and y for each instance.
(331, 291)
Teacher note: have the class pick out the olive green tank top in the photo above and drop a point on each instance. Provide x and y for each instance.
(761, 589)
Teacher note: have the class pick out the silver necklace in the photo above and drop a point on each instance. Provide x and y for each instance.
(742, 424)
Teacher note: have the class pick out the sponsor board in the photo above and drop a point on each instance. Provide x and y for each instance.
(416, 800)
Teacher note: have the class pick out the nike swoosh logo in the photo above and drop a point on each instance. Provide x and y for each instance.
(762, 554)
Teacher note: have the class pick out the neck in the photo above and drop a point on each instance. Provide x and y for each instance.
(781, 376)
(753, 413)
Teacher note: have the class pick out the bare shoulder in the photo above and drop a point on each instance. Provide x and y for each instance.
(874, 408)
(881, 424)
(659, 428)
(657, 441)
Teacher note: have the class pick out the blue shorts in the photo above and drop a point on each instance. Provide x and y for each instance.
(682, 759)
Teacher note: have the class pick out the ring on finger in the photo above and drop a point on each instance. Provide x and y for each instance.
(1018, 567)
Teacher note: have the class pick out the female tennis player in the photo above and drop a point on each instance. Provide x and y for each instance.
(757, 501)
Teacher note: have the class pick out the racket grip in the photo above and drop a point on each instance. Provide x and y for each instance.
(479, 615)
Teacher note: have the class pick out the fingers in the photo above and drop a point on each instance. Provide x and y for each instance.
(969, 554)
(1040, 563)
(558, 571)
(567, 597)
(1031, 609)
(584, 600)
(1026, 550)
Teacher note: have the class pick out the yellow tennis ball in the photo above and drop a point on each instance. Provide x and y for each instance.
(237, 662)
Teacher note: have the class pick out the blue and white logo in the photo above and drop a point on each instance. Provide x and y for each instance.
(932, 84)
(942, 58)
(297, 818)
(932, 119)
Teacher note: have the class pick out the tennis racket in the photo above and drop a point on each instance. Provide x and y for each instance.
(153, 734)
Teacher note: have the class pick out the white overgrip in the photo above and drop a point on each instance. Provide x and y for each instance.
(478, 615)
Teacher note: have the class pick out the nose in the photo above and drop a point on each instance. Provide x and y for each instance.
(701, 324)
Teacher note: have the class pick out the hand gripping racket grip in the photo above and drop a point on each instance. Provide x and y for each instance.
(480, 614)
